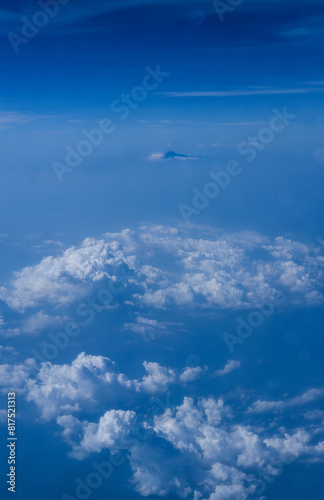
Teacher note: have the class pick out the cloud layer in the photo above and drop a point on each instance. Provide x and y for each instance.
(229, 453)
(167, 267)
(227, 460)
(89, 380)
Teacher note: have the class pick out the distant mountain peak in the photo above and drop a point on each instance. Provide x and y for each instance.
(171, 155)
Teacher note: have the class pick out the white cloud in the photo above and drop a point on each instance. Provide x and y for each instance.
(229, 367)
(225, 455)
(6, 331)
(63, 279)
(90, 381)
(166, 266)
(40, 321)
(283, 248)
(7, 350)
(190, 374)
(111, 432)
(8, 119)
(13, 377)
(61, 388)
(314, 415)
(242, 92)
(158, 378)
(225, 459)
(307, 397)
(223, 271)
(290, 446)
(156, 156)
(147, 327)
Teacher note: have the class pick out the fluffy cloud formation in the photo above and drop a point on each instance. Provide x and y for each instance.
(68, 388)
(229, 455)
(90, 381)
(227, 461)
(13, 376)
(158, 378)
(62, 279)
(167, 267)
(111, 432)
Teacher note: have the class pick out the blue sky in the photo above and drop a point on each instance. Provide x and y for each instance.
(161, 298)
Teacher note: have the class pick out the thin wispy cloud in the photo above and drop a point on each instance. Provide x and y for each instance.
(308, 397)
(229, 367)
(242, 92)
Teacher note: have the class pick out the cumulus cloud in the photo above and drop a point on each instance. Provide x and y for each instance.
(90, 381)
(62, 279)
(226, 455)
(13, 377)
(158, 378)
(167, 267)
(223, 271)
(111, 432)
(68, 388)
(226, 460)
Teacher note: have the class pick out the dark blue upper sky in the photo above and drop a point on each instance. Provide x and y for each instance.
(87, 52)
